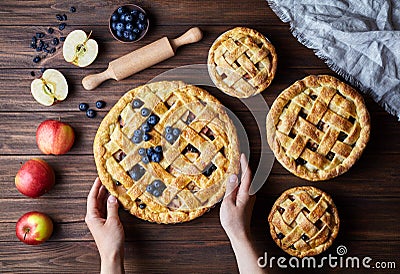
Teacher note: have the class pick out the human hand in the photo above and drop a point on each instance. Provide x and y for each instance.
(237, 205)
(107, 230)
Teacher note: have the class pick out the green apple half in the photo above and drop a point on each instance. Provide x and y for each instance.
(51, 87)
(79, 50)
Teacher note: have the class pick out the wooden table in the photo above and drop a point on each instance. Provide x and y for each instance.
(367, 196)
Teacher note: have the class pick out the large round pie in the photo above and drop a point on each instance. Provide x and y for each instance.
(318, 127)
(165, 150)
(242, 62)
(304, 221)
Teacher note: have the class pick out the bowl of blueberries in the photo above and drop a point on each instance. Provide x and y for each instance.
(129, 23)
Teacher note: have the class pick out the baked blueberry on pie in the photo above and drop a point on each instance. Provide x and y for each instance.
(242, 62)
(165, 150)
(318, 127)
(304, 221)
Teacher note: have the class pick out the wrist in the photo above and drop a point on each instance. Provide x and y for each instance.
(112, 263)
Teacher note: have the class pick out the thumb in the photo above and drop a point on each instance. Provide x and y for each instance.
(112, 207)
(231, 188)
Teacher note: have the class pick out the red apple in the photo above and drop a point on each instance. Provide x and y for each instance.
(35, 178)
(54, 137)
(34, 228)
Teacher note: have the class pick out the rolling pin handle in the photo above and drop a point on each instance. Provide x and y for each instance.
(191, 36)
(92, 81)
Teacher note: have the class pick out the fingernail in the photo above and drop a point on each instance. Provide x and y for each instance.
(112, 199)
(232, 178)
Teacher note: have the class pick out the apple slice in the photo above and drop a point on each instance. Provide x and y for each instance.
(79, 50)
(50, 88)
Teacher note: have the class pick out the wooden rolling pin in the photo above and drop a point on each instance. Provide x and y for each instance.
(142, 58)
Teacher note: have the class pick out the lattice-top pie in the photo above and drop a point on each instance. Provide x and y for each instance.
(304, 221)
(242, 62)
(165, 150)
(318, 127)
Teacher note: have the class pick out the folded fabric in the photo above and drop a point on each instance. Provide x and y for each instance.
(358, 39)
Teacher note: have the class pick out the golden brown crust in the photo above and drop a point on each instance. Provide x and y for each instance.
(187, 195)
(242, 62)
(304, 221)
(321, 121)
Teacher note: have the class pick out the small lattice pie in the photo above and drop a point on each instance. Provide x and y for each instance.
(318, 127)
(304, 221)
(242, 62)
(165, 150)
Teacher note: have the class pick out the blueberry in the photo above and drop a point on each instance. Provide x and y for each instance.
(119, 33)
(126, 34)
(149, 188)
(122, 17)
(156, 157)
(100, 104)
(146, 127)
(169, 137)
(50, 30)
(176, 132)
(146, 137)
(41, 43)
(117, 183)
(280, 236)
(137, 103)
(33, 45)
(55, 41)
(52, 50)
(132, 37)
(128, 18)
(141, 16)
(59, 17)
(45, 46)
(120, 26)
(114, 17)
(145, 159)
(142, 151)
(64, 17)
(72, 9)
(46, 50)
(135, 30)
(158, 149)
(42, 69)
(39, 48)
(62, 26)
(137, 132)
(141, 26)
(39, 35)
(156, 193)
(129, 26)
(136, 139)
(121, 10)
(145, 112)
(134, 13)
(157, 183)
(142, 206)
(153, 120)
(83, 106)
(33, 73)
(62, 38)
(304, 237)
(150, 151)
(168, 129)
(36, 59)
(113, 25)
(90, 113)
(134, 175)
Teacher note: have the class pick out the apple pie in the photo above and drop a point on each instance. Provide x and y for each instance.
(242, 62)
(318, 127)
(165, 150)
(304, 221)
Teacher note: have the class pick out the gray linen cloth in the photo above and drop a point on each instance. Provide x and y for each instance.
(358, 39)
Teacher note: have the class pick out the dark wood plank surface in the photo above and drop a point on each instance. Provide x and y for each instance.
(367, 197)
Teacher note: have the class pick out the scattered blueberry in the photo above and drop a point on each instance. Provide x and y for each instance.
(169, 137)
(100, 104)
(39, 48)
(142, 206)
(41, 43)
(83, 106)
(37, 59)
(142, 151)
(145, 159)
(42, 69)
(55, 41)
(91, 113)
(64, 17)
(176, 132)
(137, 132)
(33, 45)
(136, 139)
(50, 30)
(39, 35)
(62, 38)
(33, 73)
(72, 9)
(34, 40)
(46, 50)
(158, 149)
(45, 46)
(59, 17)
(52, 50)
(62, 26)
(146, 137)
(145, 112)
